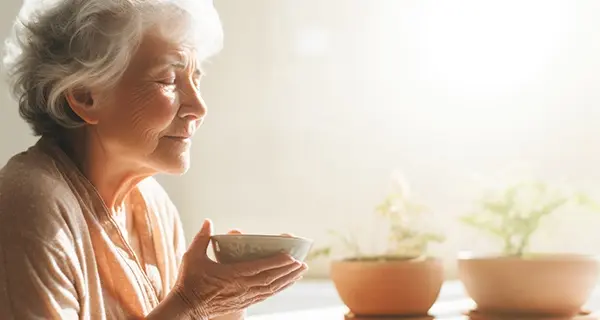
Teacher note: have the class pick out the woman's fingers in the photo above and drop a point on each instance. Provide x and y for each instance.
(264, 296)
(251, 268)
(201, 240)
(266, 278)
(279, 283)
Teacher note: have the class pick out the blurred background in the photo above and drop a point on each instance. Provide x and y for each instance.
(314, 103)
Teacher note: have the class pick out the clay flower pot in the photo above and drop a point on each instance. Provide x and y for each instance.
(549, 284)
(388, 287)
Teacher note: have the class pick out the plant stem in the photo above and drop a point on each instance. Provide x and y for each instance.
(524, 243)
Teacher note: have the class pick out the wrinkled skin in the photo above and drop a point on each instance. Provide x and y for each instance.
(212, 289)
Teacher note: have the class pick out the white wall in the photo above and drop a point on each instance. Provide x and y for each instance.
(313, 103)
(14, 133)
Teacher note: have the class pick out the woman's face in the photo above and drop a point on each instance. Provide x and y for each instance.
(148, 119)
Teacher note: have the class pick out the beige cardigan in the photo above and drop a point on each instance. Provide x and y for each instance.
(61, 254)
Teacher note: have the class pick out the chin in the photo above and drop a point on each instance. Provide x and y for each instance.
(171, 159)
(174, 166)
(177, 168)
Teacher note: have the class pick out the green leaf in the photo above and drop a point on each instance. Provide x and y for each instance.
(499, 207)
(586, 201)
(486, 226)
(398, 210)
(509, 218)
(318, 253)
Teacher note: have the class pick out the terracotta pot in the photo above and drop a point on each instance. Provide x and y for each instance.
(402, 287)
(536, 284)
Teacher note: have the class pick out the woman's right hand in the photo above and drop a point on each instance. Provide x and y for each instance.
(210, 289)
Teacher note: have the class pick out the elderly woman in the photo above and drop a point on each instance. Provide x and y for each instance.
(111, 87)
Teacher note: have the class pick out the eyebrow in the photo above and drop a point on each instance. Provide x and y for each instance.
(183, 66)
(178, 61)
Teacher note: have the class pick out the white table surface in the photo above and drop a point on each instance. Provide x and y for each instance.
(318, 300)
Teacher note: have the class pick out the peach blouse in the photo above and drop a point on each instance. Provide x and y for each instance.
(62, 256)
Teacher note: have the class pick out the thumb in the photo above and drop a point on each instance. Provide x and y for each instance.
(202, 238)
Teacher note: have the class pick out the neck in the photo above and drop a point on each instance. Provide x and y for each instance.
(113, 177)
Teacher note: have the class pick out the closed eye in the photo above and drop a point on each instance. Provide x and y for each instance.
(167, 82)
(172, 81)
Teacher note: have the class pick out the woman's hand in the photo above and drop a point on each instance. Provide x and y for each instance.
(210, 289)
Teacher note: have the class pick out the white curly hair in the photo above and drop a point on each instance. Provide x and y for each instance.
(57, 45)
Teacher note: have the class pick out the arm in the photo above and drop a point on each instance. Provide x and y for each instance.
(172, 307)
(38, 266)
(35, 279)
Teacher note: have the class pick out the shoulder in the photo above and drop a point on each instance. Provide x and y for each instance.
(34, 198)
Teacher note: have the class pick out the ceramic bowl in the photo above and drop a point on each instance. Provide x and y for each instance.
(232, 248)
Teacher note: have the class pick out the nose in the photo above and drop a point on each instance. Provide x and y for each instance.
(192, 105)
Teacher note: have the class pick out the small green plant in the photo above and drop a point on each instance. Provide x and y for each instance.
(515, 214)
(405, 241)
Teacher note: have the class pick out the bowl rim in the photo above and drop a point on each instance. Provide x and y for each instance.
(264, 236)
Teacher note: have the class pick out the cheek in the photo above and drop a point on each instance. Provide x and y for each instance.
(152, 111)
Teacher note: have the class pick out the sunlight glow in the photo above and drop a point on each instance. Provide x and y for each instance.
(483, 47)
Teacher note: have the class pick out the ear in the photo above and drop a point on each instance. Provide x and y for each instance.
(82, 102)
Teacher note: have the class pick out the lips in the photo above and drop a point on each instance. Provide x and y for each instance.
(184, 131)
(180, 135)
(179, 139)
